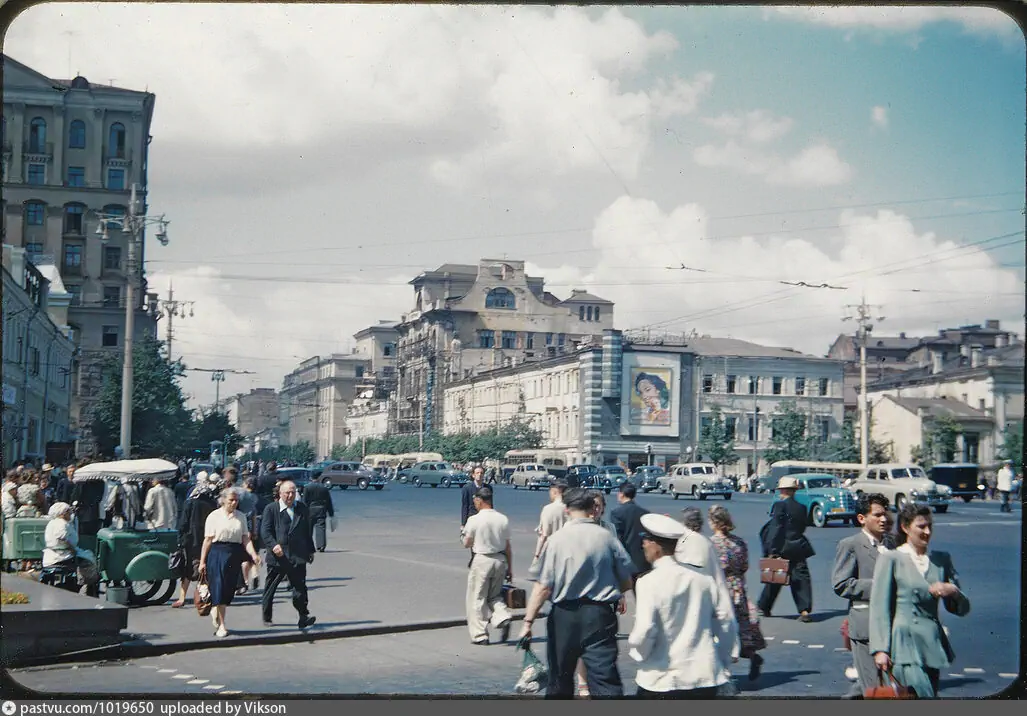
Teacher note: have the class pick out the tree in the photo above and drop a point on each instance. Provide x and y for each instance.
(161, 425)
(715, 444)
(1012, 445)
(214, 425)
(788, 434)
(944, 438)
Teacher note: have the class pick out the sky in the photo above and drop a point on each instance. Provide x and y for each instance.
(690, 164)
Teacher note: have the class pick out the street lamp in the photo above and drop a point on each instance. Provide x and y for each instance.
(133, 224)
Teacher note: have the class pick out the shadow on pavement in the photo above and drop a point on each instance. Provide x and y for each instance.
(329, 579)
(770, 679)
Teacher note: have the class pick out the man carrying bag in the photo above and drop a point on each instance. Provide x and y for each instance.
(784, 537)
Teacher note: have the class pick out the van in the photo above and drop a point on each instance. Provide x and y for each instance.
(962, 478)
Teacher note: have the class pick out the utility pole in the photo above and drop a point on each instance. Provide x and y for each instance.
(865, 326)
(171, 307)
(218, 376)
(317, 410)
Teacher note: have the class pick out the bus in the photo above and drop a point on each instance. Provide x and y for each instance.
(555, 461)
(842, 470)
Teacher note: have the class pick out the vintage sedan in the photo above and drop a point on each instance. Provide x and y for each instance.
(902, 483)
(610, 477)
(582, 475)
(647, 477)
(351, 474)
(825, 499)
(531, 476)
(435, 474)
(695, 479)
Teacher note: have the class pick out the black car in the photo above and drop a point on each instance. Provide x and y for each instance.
(962, 478)
(581, 475)
(299, 475)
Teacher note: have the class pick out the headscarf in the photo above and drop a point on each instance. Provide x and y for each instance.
(692, 549)
(58, 509)
(206, 484)
(27, 494)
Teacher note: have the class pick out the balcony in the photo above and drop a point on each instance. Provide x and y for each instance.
(38, 151)
(118, 158)
(71, 269)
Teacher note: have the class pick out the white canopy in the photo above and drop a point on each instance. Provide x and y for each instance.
(127, 470)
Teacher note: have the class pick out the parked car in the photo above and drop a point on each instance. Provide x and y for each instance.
(351, 474)
(647, 477)
(610, 477)
(581, 475)
(765, 483)
(696, 479)
(299, 475)
(825, 499)
(962, 478)
(902, 483)
(199, 467)
(435, 474)
(531, 476)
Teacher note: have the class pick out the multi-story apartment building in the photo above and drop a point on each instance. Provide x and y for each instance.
(469, 319)
(253, 412)
(38, 357)
(315, 399)
(73, 149)
(369, 412)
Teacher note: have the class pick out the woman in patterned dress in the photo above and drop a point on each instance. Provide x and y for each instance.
(734, 559)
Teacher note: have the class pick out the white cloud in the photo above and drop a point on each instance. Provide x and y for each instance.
(758, 126)
(977, 20)
(879, 116)
(817, 165)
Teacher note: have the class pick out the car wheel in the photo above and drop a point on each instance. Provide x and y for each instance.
(362, 483)
(727, 496)
(674, 492)
(941, 509)
(694, 495)
(445, 482)
(967, 498)
(343, 487)
(817, 516)
(608, 490)
(900, 501)
(417, 482)
(515, 485)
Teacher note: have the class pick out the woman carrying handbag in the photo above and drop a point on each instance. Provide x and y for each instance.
(906, 636)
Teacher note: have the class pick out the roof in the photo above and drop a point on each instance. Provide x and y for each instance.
(743, 349)
(585, 297)
(940, 406)
(893, 342)
(957, 366)
(93, 86)
(52, 274)
(456, 268)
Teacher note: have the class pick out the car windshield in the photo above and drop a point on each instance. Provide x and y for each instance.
(443, 466)
(655, 471)
(907, 472)
(815, 482)
(697, 471)
(619, 470)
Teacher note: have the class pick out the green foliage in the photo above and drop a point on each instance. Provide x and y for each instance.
(212, 426)
(788, 435)
(1012, 445)
(715, 444)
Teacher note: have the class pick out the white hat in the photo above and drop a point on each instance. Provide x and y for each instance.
(662, 526)
(787, 483)
(201, 477)
(47, 468)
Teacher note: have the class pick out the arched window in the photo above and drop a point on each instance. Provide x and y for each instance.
(37, 135)
(581, 313)
(74, 219)
(77, 135)
(116, 145)
(590, 313)
(500, 298)
(115, 210)
(35, 213)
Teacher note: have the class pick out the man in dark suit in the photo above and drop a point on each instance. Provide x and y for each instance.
(318, 498)
(287, 534)
(467, 493)
(784, 536)
(852, 579)
(626, 519)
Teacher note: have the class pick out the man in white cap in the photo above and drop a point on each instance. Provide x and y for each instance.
(685, 635)
(784, 536)
(1004, 484)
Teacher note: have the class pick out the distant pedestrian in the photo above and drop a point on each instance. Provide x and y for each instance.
(318, 498)
(552, 517)
(226, 545)
(159, 508)
(287, 535)
(627, 521)
(784, 536)
(1004, 484)
(685, 636)
(584, 571)
(487, 534)
(467, 493)
(599, 512)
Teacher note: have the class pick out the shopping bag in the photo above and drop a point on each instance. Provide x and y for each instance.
(534, 673)
(201, 598)
(888, 688)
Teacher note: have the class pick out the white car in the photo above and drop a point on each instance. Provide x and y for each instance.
(530, 476)
(902, 483)
(695, 479)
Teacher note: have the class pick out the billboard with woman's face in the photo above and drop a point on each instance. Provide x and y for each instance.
(650, 395)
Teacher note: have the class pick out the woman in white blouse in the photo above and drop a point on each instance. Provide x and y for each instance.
(226, 542)
(61, 540)
(906, 635)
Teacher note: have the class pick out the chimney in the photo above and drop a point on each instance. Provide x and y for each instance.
(902, 334)
(975, 355)
(964, 350)
(992, 324)
(936, 362)
(1000, 340)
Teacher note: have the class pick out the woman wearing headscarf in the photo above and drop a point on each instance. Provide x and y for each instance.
(191, 528)
(30, 501)
(61, 539)
(226, 542)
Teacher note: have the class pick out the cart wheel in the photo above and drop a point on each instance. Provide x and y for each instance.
(155, 592)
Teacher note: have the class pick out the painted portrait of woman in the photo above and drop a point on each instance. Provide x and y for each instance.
(653, 393)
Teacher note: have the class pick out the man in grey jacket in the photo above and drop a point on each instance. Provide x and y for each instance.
(852, 579)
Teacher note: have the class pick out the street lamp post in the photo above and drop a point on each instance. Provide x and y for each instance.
(133, 224)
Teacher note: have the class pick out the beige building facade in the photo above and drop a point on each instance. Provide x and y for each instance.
(316, 399)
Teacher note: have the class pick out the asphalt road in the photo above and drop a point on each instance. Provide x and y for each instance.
(403, 524)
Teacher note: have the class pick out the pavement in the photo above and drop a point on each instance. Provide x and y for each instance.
(389, 595)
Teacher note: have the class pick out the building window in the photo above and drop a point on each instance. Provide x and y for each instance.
(35, 174)
(800, 386)
(112, 258)
(825, 429)
(37, 135)
(73, 258)
(590, 313)
(34, 360)
(74, 215)
(596, 313)
(561, 339)
(77, 135)
(111, 296)
(117, 140)
(777, 382)
(110, 336)
(486, 339)
(76, 176)
(116, 215)
(76, 294)
(754, 384)
(389, 350)
(360, 371)
(731, 381)
(754, 428)
(730, 426)
(825, 387)
(500, 298)
(549, 339)
(581, 313)
(116, 179)
(34, 249)
(529, 341)
(509, 339)
(34, 212)
(707, 383)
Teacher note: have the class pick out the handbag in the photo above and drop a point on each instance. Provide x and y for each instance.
(774, 570)
(176, 563)
(888, 688)
(514, 597)
(201, 598)
(846, 640)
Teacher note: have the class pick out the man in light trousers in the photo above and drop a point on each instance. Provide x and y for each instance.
(487, 534)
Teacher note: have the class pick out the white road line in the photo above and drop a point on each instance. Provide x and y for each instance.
(197, 681)
(166, 671)
(214, 687)
(1007, 676)
(958, 676)
(815, 646)
(225, 693)
(141, 666)
(769, 638)
(182, 676)
(840, 648)
(789, 641)
(973, 670)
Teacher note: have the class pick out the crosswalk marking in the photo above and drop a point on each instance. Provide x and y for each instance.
(815, 646)
(958, 676)
(166, 671)
(182, 676)
(1003, 675)
(214, 687)
(973, 670)
(197, 682)
(789, 641)
(226, 693)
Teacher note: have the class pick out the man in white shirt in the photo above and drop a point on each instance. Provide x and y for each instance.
(685, 635)
(160, 508)
(552, 517)
(1004, 484)
(487, 534)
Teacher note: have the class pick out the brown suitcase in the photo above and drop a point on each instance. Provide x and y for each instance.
(774, 570)
(514, 597)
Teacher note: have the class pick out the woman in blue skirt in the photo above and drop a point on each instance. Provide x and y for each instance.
(226, 542)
